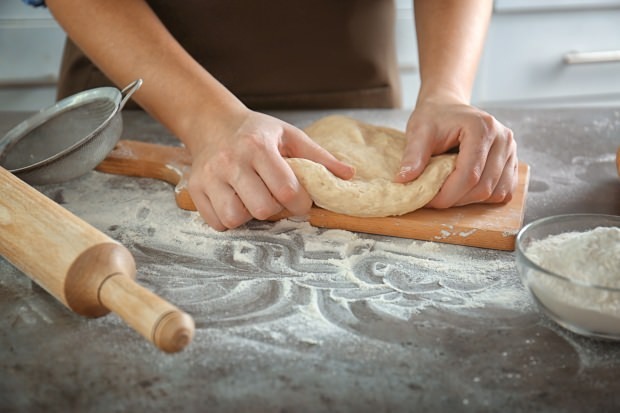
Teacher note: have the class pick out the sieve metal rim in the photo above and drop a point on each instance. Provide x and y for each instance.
(118, 97)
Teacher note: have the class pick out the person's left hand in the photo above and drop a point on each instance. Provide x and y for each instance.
(486, 165)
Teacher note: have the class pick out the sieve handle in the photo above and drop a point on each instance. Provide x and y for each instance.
(129, 90)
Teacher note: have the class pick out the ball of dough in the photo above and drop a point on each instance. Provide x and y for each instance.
(375, 152)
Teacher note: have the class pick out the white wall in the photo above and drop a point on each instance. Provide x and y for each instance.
(523, 62)
(30, 48)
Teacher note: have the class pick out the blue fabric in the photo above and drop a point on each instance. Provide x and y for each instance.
(35, 3)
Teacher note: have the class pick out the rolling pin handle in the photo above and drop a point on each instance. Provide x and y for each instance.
(169, 328)
(102, 280)
(173, 332)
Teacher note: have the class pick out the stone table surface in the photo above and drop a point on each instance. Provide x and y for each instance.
(295, 318)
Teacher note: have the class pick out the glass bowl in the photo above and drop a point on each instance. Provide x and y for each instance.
(583, 300)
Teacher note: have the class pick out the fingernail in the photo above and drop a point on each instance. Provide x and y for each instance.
(405, 170)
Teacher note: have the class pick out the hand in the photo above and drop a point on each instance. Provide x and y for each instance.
(486, 165)
(238, 173)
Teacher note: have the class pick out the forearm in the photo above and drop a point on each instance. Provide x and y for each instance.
(126, 40)
(451, 36)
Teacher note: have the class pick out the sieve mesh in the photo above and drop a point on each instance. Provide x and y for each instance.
(67, 140)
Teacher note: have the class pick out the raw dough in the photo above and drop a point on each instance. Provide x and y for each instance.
(375, 152)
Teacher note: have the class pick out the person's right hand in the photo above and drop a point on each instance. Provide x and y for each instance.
(239, 172)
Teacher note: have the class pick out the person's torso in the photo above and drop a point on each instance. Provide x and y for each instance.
(287, 54)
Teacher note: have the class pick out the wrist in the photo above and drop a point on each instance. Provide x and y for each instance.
(443, 95)
(207, 122)
(203, 114)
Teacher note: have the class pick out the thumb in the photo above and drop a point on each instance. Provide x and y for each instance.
(305, 147)
(415, 158)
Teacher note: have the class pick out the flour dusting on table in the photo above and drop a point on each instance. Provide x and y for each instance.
(324, 279)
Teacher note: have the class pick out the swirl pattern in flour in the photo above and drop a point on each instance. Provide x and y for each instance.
(288, 274)
(267, 272)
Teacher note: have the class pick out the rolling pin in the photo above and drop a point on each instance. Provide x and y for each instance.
(89, 272)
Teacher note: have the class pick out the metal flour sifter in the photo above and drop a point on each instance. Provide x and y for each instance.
(68, 139)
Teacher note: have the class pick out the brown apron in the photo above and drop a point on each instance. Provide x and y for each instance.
(277, 54)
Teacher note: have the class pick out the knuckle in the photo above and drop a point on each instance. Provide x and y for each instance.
(472, 177)
(265, 211)
(254, 141)
(501, 194)
(286, 193)
(216, 226)
(230, 220)
(232, 216)
(484, 193)
(510, 139)
(487, 120)
(486, 124)
(223, 161)
(195, 187)
(498, 197)
(211, 221)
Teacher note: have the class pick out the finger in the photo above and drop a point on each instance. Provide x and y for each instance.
(256, 196)
(499, 179)
(470, 166)
(507, 184)
(477, 139)
(228, 206)
(196, 190)
(495, 167)
(485, 188)
(340, 169)
(502, 193)
(282, 184)
(206, 211)
(416, 156)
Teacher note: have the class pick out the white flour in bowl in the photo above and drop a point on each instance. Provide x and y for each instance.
(591, 258)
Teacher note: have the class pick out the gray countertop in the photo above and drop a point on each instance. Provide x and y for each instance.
(295, 318)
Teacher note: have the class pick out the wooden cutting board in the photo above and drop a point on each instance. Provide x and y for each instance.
(493, 226)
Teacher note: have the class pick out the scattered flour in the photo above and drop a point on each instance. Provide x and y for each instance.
(269, 273)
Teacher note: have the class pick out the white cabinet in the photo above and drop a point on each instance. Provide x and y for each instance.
(551, 53)
(31, 45)
(526, 60)
(407, 50)
(524, 63)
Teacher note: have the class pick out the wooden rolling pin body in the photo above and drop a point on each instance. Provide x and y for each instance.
(83, 268)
